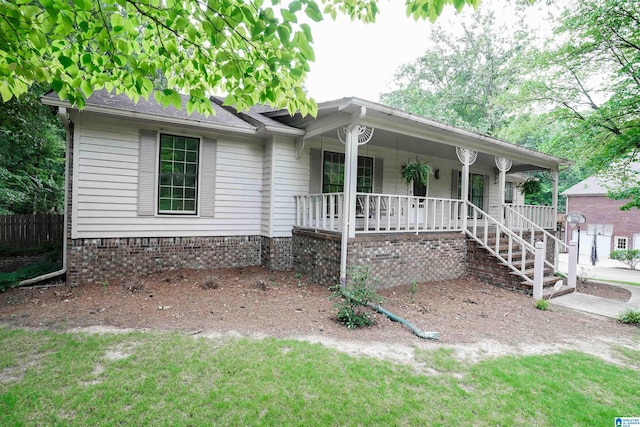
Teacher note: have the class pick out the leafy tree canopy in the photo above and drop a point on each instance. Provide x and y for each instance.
(32, 160)
(254, 51)
(589, 75)
(464, 78)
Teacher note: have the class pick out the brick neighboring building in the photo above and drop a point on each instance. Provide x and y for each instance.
(616, 229)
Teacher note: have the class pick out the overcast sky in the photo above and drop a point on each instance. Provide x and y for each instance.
(354, 59)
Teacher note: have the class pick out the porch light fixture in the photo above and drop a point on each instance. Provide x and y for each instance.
(436, 174)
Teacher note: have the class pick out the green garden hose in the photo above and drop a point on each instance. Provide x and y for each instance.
(419, 332)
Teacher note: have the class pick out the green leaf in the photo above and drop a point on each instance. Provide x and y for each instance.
(5, 92)
(295, 6)
(117, 23)
(86, 59)
(38, 38)
(86, 88)
(30, 11)
(288, 16)
(284, 34)
(65, 61)
(313, 12)
(459, 5)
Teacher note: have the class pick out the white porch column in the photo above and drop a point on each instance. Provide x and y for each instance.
(352, 136)
(554, 196)
(349, 191)
(351, 177)
(554, 205)
(503, 164)
(467, 157)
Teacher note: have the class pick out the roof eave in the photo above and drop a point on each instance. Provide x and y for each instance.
(154, 117)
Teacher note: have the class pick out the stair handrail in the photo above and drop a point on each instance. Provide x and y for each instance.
(526, 246)
(534, 228)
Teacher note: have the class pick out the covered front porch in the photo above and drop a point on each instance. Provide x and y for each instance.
(356, 151)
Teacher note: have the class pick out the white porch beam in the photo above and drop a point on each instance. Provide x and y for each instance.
(324, 125)
(460, 138)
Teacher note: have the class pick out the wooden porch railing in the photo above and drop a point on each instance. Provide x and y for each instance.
(492, 235)
(522, 216)
(392, 213)
(536, 232)
(376, 213)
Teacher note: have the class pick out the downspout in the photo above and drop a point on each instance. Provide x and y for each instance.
(350, 151)
(64, 117)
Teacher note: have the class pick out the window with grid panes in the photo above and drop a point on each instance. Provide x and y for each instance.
(178, 178)
(333, 173)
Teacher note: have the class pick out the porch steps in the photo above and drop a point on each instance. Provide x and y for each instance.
(549, 281)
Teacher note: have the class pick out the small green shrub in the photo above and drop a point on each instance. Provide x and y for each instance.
(353, 299)
(630, 257)
(630, 316)
(413, 288)
(542, 304)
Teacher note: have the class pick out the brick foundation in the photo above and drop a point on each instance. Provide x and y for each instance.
(392, 259)
(317, 256)
(97, 260)
(401, 259)
(277, 253)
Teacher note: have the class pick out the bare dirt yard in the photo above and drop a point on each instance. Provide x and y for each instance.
(476, 319)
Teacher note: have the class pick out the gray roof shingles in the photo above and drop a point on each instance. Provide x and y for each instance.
(104, 99)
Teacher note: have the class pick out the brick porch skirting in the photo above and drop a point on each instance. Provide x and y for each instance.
(99, 260)
(393, 259)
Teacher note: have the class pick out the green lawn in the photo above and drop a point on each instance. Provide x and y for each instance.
(166, 379)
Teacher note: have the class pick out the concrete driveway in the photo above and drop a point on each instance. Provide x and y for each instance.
(604, 271)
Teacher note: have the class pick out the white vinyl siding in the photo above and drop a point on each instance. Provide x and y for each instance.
(290, 178)
(267, 171)
(105, 185)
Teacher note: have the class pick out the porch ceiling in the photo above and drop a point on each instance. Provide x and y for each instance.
(409, 132)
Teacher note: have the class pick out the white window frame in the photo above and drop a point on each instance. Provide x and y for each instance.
(187, 213)
(508, 185)
(322, 170)
(619, 239)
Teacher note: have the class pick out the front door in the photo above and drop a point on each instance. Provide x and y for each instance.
(476, 189)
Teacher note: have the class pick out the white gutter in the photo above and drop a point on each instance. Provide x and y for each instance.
(62, 112)
(151, 117)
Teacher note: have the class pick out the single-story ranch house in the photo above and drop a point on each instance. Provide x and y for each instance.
(153, 188)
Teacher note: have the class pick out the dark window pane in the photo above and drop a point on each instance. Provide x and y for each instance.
(192, 144)
(165, 204)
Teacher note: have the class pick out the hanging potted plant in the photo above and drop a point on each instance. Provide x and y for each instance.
(530, 189)
(418, 173)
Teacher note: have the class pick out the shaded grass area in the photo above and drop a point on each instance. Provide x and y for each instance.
(169, 379)
(10, 280)
(50, 261)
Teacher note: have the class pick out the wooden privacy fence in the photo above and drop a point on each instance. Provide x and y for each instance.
(31, 230)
